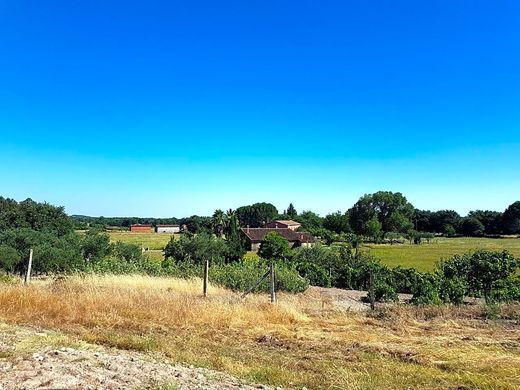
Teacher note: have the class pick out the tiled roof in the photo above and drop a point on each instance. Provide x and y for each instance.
(288, 222)
(258, 234)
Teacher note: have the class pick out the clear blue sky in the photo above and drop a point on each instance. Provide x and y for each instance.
(170, 108)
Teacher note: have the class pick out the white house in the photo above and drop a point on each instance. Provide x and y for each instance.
(169, 229)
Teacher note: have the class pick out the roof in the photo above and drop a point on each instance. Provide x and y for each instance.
(288, 222)
(139, 225)
(258, 234)
(168, 225)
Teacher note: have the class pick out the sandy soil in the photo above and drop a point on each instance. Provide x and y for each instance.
(95, 367)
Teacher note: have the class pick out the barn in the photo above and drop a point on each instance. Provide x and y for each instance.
(168, 229)
(138, 228)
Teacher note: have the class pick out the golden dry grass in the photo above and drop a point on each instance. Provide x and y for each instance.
(295, 343)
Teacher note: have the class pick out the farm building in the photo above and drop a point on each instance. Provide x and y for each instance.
(254, 236)
(284, 224)
(138, 228)
(170, 229)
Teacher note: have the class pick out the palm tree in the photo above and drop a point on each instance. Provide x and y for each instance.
(218, 222)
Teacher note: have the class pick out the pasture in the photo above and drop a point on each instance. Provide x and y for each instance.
(424, 256)
(301, 341)
(152, 241)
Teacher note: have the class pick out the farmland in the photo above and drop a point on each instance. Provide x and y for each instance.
(301, 341)
(424, 256)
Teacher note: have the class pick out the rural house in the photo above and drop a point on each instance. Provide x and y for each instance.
(254, 236)
(138, 228)
(170, 229)
(284, 224)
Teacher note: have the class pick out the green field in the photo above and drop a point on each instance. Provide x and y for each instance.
(424, 256)
(152, 241)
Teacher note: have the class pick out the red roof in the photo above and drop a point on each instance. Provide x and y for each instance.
(258, 234)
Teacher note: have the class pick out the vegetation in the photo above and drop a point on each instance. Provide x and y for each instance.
(301, 341)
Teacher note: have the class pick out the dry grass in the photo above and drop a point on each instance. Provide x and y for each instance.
(295, 343)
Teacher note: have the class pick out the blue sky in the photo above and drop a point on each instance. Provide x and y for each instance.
(166, 108)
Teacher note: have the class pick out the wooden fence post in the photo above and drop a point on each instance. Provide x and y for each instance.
(29, 267)
(273, 293)
(206, 277)
(371, 292)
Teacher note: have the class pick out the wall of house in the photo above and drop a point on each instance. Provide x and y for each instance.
(141, 229)
(168, 229)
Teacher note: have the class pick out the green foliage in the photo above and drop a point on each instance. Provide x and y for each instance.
(390, 210)
(471, 227)
(480, 270)
(507, 290)
(452, 290)
(95, 245)
(196, 249)
(449, 230)
(9, 258)
(241, 276)
(384, 292)
(291, 211)
(311, 222)
(318, 264)
(274, 247)
(337, 222)
(426, 291)
(257, 215)
(511, 219)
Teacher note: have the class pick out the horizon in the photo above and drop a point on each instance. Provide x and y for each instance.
(175, 109)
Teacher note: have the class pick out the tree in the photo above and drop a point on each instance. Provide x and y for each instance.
(196, 249)
(480, 270)
(391, 210)
(439, 219)
(9, 258)
(257, 215)
(472, 227)
(291, 211)
(311, 222)
(274, 247)
(337, 222)
(492, 220)
(95, 245)
(218, 222)
(511, 219)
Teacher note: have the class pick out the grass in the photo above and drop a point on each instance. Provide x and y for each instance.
(152, 241)
(424, 256)
(298, 342)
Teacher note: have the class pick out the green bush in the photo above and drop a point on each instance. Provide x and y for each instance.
(383, 292)
(426, 291)
(452, 290)
(507, 290)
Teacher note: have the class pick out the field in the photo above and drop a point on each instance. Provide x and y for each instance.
(152, 241)
(303, 340)
(424, 256)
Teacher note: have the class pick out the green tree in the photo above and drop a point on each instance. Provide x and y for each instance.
(9, 258)
(291, 211)
(511, 219)
(218, 222)
(337, 222)
(480, 270)
(471, 226)
(257, 215)
(95, 245)
(391, 210)
(274, 247)
(311, 222)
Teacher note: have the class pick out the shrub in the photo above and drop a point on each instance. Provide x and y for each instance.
(452, 290)
(9, 258)
(426, 291)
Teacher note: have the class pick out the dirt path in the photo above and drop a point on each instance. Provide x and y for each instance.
(94, 367)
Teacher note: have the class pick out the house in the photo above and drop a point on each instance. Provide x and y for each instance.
(284, 224)
(254, 236)
(170, 229)
(138, 228)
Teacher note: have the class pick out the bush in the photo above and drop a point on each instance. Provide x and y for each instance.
(9, 258)
(426, 291)
(452, 290)
(243, 275)
(507, 290)
(383, 292)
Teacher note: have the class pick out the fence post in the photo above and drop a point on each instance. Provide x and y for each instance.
(371, 290)
(206, 277)
(29, 267)
(273, 293)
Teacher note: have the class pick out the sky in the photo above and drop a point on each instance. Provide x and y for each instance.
(174, 108)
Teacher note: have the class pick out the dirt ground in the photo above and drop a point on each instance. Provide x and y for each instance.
(94, 367)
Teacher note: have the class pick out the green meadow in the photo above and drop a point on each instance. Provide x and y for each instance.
(424, 256)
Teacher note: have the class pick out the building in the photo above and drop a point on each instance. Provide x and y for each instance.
(254, 236)
(169, 229)
(138, 228)
(284, 224)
